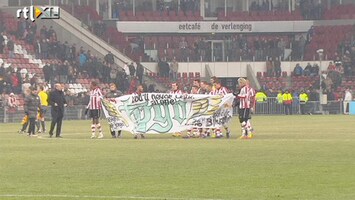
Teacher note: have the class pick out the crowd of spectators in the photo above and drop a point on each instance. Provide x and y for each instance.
(260, 6)
(121, 6)
(309, 70)
(63, 62)
(310, 9)
(237, 47)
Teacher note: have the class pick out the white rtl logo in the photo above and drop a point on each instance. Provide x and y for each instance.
(43, 12)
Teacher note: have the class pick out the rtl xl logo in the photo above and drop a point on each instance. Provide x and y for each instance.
(43, 12)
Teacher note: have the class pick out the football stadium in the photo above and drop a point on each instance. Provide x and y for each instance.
(177, 99)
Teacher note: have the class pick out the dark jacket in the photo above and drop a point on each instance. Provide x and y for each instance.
(57, 97)
(114, 94)
(32, 105)
(140, 70)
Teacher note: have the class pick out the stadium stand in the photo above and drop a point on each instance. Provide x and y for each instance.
(257, 13)
(335, 40)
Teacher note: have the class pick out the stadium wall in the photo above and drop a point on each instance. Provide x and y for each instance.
(233, 69)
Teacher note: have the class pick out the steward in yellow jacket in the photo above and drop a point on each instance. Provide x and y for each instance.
(287, 101)
(260, 97)
(303, 101)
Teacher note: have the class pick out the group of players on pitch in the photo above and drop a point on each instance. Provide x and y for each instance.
(244, 101)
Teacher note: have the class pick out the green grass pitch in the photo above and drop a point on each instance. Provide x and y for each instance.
(290, 157)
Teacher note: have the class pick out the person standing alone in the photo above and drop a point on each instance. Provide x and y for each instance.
(287, 101)
(57, 102)
(32, 106)
(44, 102)
(94, 109)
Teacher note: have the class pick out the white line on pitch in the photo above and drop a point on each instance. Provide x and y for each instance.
(96, 197)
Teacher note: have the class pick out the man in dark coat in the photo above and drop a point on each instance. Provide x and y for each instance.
(140, 72)
(111, 96)
(32, 107)
(57, 102)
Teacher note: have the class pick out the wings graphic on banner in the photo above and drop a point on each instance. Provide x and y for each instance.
(113, 111)
(164, 113)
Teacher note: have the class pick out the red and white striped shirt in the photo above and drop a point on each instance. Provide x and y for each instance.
(246, 96)
(221, 91)
(95, 99)
(252, 96)
(176, 92)
(11, 102)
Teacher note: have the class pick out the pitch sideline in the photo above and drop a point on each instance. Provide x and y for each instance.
(96, 197)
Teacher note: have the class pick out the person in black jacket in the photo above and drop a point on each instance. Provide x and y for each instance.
(57, 102)
(32, 107)
(111, 96)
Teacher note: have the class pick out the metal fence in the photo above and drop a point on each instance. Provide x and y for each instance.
(70, 113)
(272, 107)
(269, 107)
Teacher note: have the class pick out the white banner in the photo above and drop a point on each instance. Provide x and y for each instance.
(213, 26)
(160, 113)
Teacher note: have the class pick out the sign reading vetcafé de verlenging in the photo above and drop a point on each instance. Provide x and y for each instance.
(213, 26)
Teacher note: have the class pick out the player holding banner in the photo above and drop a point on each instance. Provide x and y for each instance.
(111, 96)
(245, 96)
(220, 90)
(175, 90)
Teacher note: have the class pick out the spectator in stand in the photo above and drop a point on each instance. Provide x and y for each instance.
(47, 72)
(11, 106)
(38, 49)
(10, 48)
(330, 95)
(109, 58)
(314, 70)
(113, 74)
(277, 67)
(269, 68)
(71, 73)
(301, 47)
(132, 70)
(174, 68)
(2, 69)
(327, 83)
(151, 88)
(30, 37)
(2, 43)
(337, 61)
(6, 82)
(44, 49)
(15, 83)
(298, 71)
(347, 64)
(140, 72)
(183, 49)
(331, 67)
(307, 70)
(43, 32)
(281, 46)
(73, 52)
(82, 59)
